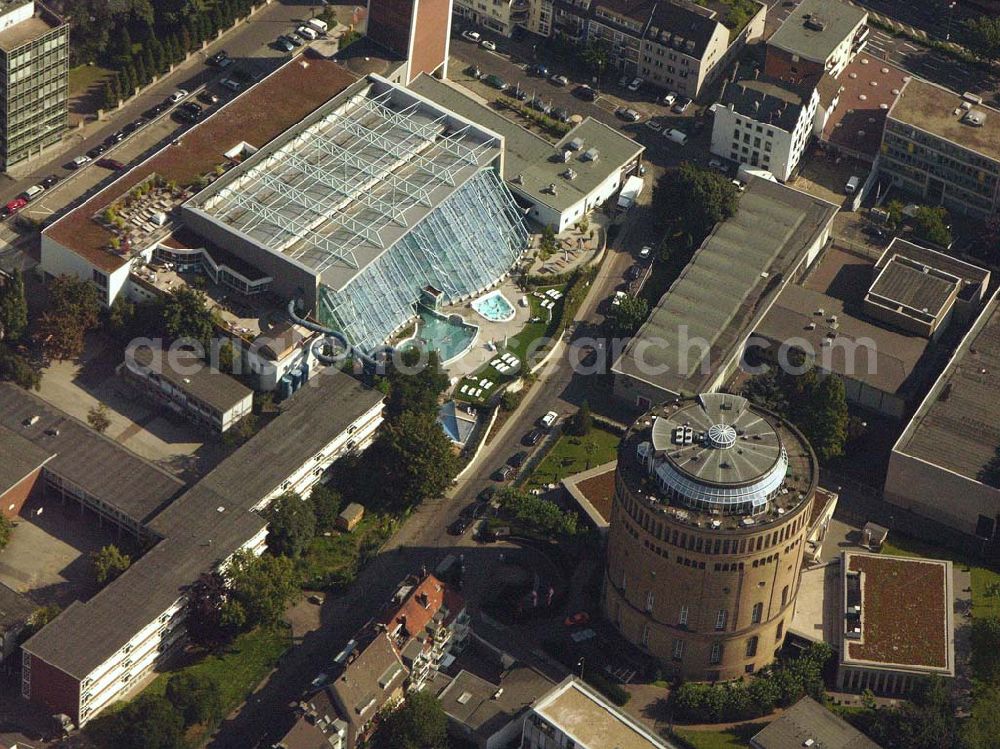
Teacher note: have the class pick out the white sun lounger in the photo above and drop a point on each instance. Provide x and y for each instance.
(478, 392)
(464, 390)
(487, 384)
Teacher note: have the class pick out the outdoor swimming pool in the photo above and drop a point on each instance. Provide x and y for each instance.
(494, 307)
(450, 336)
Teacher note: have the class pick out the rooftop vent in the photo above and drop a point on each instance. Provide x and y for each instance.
(592, 155)
(30, 421)
(565, 155)
(569, 174)
(576, 144)
(973, 98)
(552, 188)
(814, 23)
(975, 118)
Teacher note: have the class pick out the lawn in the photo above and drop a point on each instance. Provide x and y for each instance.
(573, 454)
(733, 738)
(240, 668)
(334, 560)
(82, 77)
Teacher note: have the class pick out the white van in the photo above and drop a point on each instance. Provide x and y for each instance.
(677, 136)
(306, 32)
(852, 185)
(32, 192)
(318, 26)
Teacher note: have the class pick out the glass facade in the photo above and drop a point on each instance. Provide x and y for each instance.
(33, 98)
(462, 247)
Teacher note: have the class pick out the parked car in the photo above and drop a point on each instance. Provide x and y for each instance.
(559, 80)
(532, 437)
(459, 526)
(629, 115)
(585, 92)
(114, 164)
(503, 473)
(157, 110)
(78, 161)
(230, 84)
(668, 99)
(517, 92)
(717, 164)
(137, 123)
(548, 420)
(539, 105)
(192, 106)
(654, 125)
(681, 106)
(218, 57)
(31, 193)
(852, 185)
(633, 273)
(487, 44)
(539, 70)
(560, 114)
(473, 71)
(486, 494)
(284, 44)
(177, 95)
(208, 97)
(517, 459)
(116, 137)
(97, 150)
(635, 85)
(623, 81)
(472, 36)
(496, 82)
(646, 253)
(307, 33)
(50, 181)
(15, 205)
(294, 39)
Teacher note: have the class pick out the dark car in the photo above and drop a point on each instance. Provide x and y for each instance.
(135, 124)
(116, 137)
(561, 114)
(473, 71)
(585, 92)
(208, 97)
(633, 273)
(459, 526)
(50, 181)
(496, 82)
(503, 473)
(218, 57)
(283, 44)
(97, 150)
(517, 92)
(517, 459)
(4, 212)
(538, 70)
(114, 164)
(486, 494)
(532, 437)
(157, 110)
(539, 105)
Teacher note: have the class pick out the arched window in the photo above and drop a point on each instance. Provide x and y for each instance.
(758, 611)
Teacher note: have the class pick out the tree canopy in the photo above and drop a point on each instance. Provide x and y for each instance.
(695, 199)
(626, 316)
(417, 391)
(17, 369)
(325, 502)
(186, 315)
(13, 309)
(982, 36)
(205, 601)
(147, 722)
(195, 696)
(420, 723)
(930, 223)
(263, 586)
(291, 525)
(541, 515)
(73, 311)
(109, 563)
(412, 459)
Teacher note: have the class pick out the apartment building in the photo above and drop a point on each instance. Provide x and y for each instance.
(500, 16)
(766, 123)
(34, 79)
(95, 653)
(819, 36)
(671, 44)
(426, 621)
(183, 382)
(943, 148)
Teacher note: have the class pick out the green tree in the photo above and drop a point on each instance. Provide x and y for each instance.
(147, 722)
(415, 388)
(595, 56)
(263, 586)
(822, 415)
(6, 528)
(15, 368)
(930, 223)
(348, 38)
(540, 514)
(109, 563)
(38, 619)
(206, 599)
(627, 315)
(895, 210)
(697, 198)
(195, 696)
(983, 726)
(986, 648)
(185, 314)
(73, 311)
(123, 46)
(111, 95)
(13, 308)
(326, 502)
(291, 525)
(982, 36)
(583, 420)
(98, 418)
(420, 723)
(411, 458)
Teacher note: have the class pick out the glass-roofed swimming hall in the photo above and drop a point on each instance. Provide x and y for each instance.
(376, 195)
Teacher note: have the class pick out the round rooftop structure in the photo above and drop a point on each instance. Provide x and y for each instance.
(717, 453)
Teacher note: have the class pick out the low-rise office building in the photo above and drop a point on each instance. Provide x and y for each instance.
(818, 37)
(694, 338)
(943, 148)
(34, 76)
(558, 185)
(186, 384)
(574, 714)
(94, 653)
(943, 466)
(765, 123)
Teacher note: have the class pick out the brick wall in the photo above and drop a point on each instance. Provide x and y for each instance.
(53, 690)
(14, 498)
